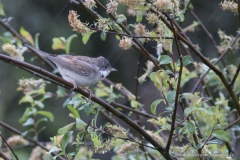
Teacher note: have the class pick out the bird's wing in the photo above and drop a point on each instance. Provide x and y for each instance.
(76, 64)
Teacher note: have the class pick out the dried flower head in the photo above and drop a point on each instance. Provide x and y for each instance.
(200, 68)
(116, 131)
(76, 24)
(90, 4)
(175, 7)
(191, 28)
(125, 91)
(132, 4)
(28, 85)
(103, 24)
(226, 41)
(162, 4)
(149, 69)
(140, 29)
(159, 139)
(105, 147)
(127, 147)
(229, 5)
(12, 51)
(152, 18)
(112, 7)
(16, 140)
(125, 43)
(38, 153)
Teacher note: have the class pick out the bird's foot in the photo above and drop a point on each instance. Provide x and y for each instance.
(91, 95)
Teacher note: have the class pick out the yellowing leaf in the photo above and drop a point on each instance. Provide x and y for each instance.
(1, 10)
(26, 35)
(57, 44)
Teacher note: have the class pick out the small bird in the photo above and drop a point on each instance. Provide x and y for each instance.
(81, 71)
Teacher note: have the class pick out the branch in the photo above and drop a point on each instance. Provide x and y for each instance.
(66, 84)
(33, 141)
(8, 27)
(174, 114)
(134, 110)
(2, 155)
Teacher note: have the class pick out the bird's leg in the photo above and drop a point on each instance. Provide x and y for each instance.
(71, 81)
(75, 86)
(89, 92)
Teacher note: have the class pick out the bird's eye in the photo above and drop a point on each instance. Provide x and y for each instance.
(105, 67)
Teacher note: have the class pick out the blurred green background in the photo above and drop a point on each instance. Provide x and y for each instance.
(49, 18)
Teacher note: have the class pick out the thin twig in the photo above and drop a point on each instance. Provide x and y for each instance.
(127, 139)
(144, 51)
(9, 146)
(235, 76)
(128, 35)
(204, 75)
(208, 138)
(31, 140)
(174, 114)
(134, 110)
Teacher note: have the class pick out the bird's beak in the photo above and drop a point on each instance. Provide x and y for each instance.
(113, 69)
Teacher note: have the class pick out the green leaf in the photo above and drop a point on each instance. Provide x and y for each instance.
(190, 126)
(53, 149)
(199, 146)
(188, 110)
(36, 38)
(26, 35)
(96, 141)
(103, 36)
(65, 140)
(120, 18)
(165, 59)
(80, 124)
(73, 111)
(118, 37)
(61, 92)
(30, 121)
(26, 98)
(85, 37)
(24, 134)
(77, 100)
(186, 60)
(68, 43)
(139, 17)
(28, 112)
(171, 96)
(135, 104)
(58, 44)
(154, 105)
(59, 154)
(66, 128)
(41, 120)
(41, 129)
(47, 114)
(221, 134)
(39, 104)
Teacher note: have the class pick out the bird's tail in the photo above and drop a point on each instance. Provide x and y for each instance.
(36, 50)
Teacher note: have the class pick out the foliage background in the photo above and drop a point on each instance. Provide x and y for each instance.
(49, 18)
